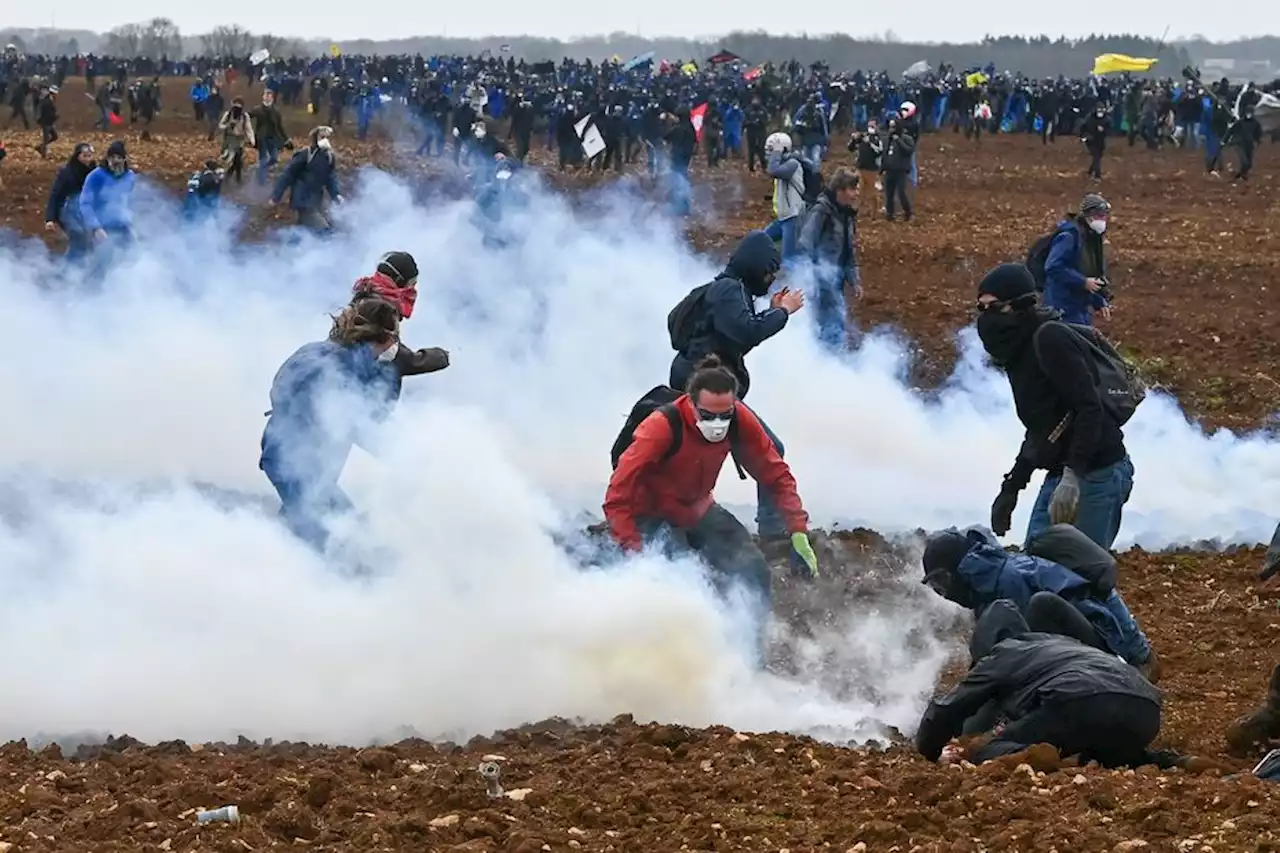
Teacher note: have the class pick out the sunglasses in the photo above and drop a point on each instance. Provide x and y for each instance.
(704, 415)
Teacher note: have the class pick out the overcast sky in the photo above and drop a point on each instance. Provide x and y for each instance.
(928, 20)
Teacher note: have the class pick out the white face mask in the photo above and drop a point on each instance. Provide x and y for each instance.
(1099, 226)
(322, 144)
(388, 355)
(480, 133)
(715, 431)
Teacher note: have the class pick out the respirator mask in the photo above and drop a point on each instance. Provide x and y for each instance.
(714, 426)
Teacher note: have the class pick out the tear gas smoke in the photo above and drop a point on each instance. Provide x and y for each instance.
(133, 601)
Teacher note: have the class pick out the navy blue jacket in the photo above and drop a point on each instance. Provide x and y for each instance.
(64, 199)
(323, 398)
(992, 573)
(1064, 282)
(308, 176)
(730, 327)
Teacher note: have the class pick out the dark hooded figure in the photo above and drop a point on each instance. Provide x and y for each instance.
(1068, 431)
(62, 212)
(1050, 689)
(728, 326)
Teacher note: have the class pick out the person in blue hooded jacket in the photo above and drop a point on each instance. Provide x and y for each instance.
(728, 326)
(106, 198)
(972, 569)
(62, 212)
(326, 397)
(1075, 271)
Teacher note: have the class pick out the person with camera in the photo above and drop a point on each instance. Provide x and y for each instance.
(896, 164)
(1075, 271)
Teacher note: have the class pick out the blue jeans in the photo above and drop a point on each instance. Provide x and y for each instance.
(784, 230)
(831, 312)
(268, 156)
(1103, 494)
(915, 173)
(305, 506)
(814, 154)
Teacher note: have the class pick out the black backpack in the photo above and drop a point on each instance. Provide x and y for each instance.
(661, 398)
(1037, 256)
(1119, 385)
(684, 319)
(812, 181)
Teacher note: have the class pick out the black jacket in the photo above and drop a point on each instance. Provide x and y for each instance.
(729, 326)
(898, 148)
(1024, 671)
(1051, 375)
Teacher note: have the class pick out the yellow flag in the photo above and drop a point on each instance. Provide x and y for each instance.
(1109, 63)
(690, 68)
(976, 79)
(335, 51)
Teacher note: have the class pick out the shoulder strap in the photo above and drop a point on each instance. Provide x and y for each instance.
(672, 414)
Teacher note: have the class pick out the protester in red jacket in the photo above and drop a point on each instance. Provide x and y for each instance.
(649, 491)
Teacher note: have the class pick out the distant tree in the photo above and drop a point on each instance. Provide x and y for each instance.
(124, 40)
(233, 40)
(71, 47)
(160, 37)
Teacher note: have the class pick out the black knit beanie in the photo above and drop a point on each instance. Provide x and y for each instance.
(400, 267)
(1008, 282)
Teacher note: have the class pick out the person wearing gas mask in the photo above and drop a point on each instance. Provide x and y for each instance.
(309, 175)
(724, 322)
(662, 486)
(395, 280)
(1075, 270)
(237, 133)
(1068, 431)
(106, 199)
(1093, 133)
(326, 397)
(896, 164)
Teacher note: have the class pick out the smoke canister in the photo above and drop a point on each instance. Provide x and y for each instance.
(229, 814)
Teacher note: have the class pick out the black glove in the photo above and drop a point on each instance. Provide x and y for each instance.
(1002, 509)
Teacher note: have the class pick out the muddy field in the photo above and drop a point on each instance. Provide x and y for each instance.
(1193, 259)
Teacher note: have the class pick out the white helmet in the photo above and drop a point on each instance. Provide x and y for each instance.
(908, 109)
(777, 142)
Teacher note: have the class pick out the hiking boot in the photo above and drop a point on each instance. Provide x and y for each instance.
(1260, 727)
(1150, 668)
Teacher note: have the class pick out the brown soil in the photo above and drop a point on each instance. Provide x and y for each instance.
(1193, 258)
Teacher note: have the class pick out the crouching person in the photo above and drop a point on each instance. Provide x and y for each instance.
(326, 397)
(664, 479)
(1066, 585)
(1049, 689)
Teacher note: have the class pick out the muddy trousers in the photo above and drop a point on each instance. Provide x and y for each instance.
(1111, 729)
(726, 546)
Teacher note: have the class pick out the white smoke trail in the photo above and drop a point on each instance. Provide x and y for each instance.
(161, 613)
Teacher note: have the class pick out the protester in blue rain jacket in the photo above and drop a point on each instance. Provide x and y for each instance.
(972, 569)
(105, 206)
(1075, 271)
(62, 212)
(326, 397)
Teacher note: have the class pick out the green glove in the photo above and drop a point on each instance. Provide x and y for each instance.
(803, 548)
(1066, 499)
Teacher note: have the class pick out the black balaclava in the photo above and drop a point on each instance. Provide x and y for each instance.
(1005, 334)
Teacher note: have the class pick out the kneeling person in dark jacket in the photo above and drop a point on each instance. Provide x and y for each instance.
(728, 327)
(651, 493)
(1065, 585)
(1050, 689)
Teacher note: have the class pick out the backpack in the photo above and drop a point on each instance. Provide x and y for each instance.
(1119, 385)
(662, 398)
(812, 181)
(1037, 256)
(684, 319)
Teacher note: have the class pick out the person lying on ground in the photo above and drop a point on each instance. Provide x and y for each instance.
(396, 280)
(1050, 689)
(657, 490)
(1078, 600)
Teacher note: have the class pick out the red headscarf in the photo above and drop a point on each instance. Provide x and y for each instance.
(383, 287)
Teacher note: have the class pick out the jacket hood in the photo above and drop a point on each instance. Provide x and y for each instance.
(755, 258)
(999, 622)
(981, 565)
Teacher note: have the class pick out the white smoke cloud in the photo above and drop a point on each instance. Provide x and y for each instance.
(132, 601)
